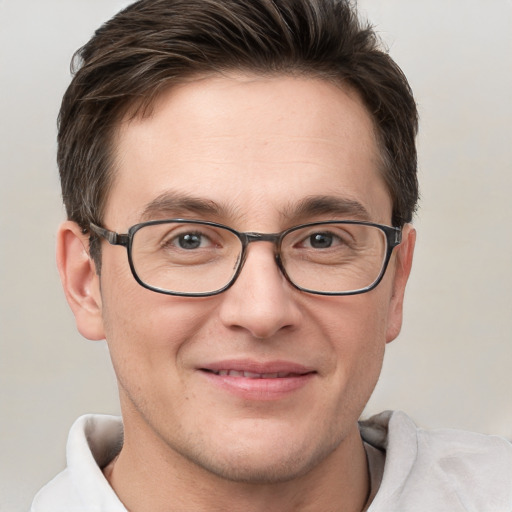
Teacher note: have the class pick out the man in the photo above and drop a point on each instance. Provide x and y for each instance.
(240, 178)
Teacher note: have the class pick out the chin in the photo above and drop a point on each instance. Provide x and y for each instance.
(265, 462)
(260, 470)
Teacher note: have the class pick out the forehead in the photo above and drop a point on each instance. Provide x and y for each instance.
(248, 144)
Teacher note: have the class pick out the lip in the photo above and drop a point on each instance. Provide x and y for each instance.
(260, 381)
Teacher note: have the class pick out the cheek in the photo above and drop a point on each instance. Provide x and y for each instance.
(145, 330)
(353, 324)
(356, 329)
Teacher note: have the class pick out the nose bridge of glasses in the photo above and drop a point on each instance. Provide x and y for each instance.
(273, 238)
(249, 237)
(262, 237)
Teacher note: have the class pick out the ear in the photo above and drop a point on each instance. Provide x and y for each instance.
(79, 279)
(402, 268)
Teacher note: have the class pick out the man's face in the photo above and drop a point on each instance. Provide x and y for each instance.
(255, 149)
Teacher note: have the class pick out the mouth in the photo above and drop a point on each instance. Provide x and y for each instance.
(253, 375)
(254, 381)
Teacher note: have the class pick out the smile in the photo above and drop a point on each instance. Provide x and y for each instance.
(254, 381)
(253, 375)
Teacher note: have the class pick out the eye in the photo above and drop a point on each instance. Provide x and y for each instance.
(321, 240)
(188, 238)
(190, 241)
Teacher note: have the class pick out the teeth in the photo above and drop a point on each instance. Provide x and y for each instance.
(252, 375)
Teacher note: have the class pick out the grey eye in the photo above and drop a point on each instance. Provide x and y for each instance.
(190, 241)
(321, 240)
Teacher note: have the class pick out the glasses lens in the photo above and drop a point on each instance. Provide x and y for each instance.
(190, 258)
(334, 258)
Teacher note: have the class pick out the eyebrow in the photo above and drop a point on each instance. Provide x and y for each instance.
(333, 206)
(172, 204)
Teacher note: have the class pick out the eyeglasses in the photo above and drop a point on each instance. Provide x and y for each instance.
(198, 258)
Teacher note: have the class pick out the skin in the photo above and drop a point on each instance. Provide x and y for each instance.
(257, 147)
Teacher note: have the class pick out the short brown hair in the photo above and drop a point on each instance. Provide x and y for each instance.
(153, 44)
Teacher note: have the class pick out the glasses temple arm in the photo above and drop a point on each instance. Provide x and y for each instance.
(111, 237)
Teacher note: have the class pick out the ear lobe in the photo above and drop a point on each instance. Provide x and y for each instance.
(403, 264)
(80, 280)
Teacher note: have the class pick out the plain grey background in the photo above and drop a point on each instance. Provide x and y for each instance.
(451, 366)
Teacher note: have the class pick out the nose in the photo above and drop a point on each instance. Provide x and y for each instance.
(261, 301)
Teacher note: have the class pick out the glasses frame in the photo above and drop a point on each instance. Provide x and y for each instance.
(393, 238)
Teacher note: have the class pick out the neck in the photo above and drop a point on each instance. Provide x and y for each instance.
(150, 476)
